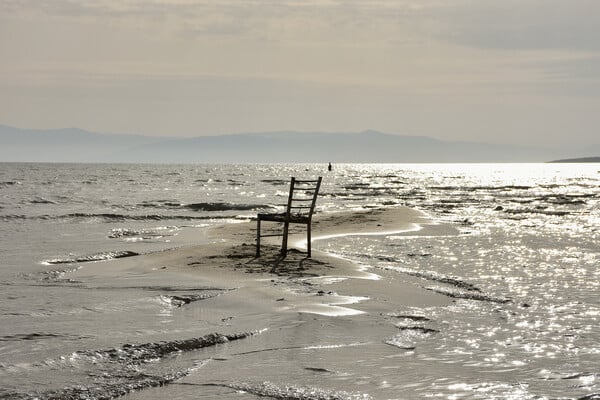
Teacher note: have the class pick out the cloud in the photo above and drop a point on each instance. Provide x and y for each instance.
(277, 20)
(507, 24)
(518, 24)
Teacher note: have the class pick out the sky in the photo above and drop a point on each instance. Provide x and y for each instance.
(510, 71)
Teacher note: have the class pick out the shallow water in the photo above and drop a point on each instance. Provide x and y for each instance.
(523, 274)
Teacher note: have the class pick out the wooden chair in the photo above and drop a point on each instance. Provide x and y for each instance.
(299, 210)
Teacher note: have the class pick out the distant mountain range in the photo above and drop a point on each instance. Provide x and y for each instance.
(76, 145)
(578, 160)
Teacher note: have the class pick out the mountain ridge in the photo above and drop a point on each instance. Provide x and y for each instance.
(78, 145)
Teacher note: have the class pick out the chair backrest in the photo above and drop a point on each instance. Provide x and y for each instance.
(303, 197)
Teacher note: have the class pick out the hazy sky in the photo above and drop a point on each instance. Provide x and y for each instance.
(509, 71)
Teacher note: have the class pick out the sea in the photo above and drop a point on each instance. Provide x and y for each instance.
(522, 270)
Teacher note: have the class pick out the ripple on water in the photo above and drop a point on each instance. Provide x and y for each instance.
(118, 371)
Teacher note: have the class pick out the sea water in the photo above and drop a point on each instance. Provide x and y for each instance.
(522, 273)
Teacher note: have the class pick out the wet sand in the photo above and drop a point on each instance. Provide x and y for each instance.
(323, 325)
(227, 259)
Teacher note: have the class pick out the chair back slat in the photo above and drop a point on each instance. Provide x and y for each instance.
(303, 192)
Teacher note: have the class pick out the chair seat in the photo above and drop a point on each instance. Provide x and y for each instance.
(278, 217)
(281, 217)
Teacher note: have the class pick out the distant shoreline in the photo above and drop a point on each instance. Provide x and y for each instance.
(578, 160)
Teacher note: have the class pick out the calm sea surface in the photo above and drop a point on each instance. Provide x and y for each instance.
(524, 269)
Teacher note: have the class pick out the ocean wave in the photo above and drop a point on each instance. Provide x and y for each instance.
(408, 317)
(167, 288)
(109, 255)
(568, 199)
(204, 206)
(181, 300)
(535, 211)
(140, 353)
(409, 336)
(14, 217)
(222, 206)
(142, 234)
(476, 188)
(430, 275)
(276, 182)
(9, 183)
(160, 204)
(357, 186)
(273, 391)
(41, 200)
(125, 232)
(58, 275)
(39, 336)
(111, 217)
(127, 382)
(469, 295)
(124, 368)
(124, 217)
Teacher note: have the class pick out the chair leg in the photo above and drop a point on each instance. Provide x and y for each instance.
(284, 241)
(308, 239)
(258, 238)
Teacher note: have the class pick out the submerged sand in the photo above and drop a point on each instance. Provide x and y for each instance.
(318, 321)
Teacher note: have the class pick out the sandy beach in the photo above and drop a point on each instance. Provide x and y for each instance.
(312, 320)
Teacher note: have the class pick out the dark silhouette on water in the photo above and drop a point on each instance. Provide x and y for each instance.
(329, 167)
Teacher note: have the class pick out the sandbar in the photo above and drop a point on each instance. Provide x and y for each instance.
(315, 317)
